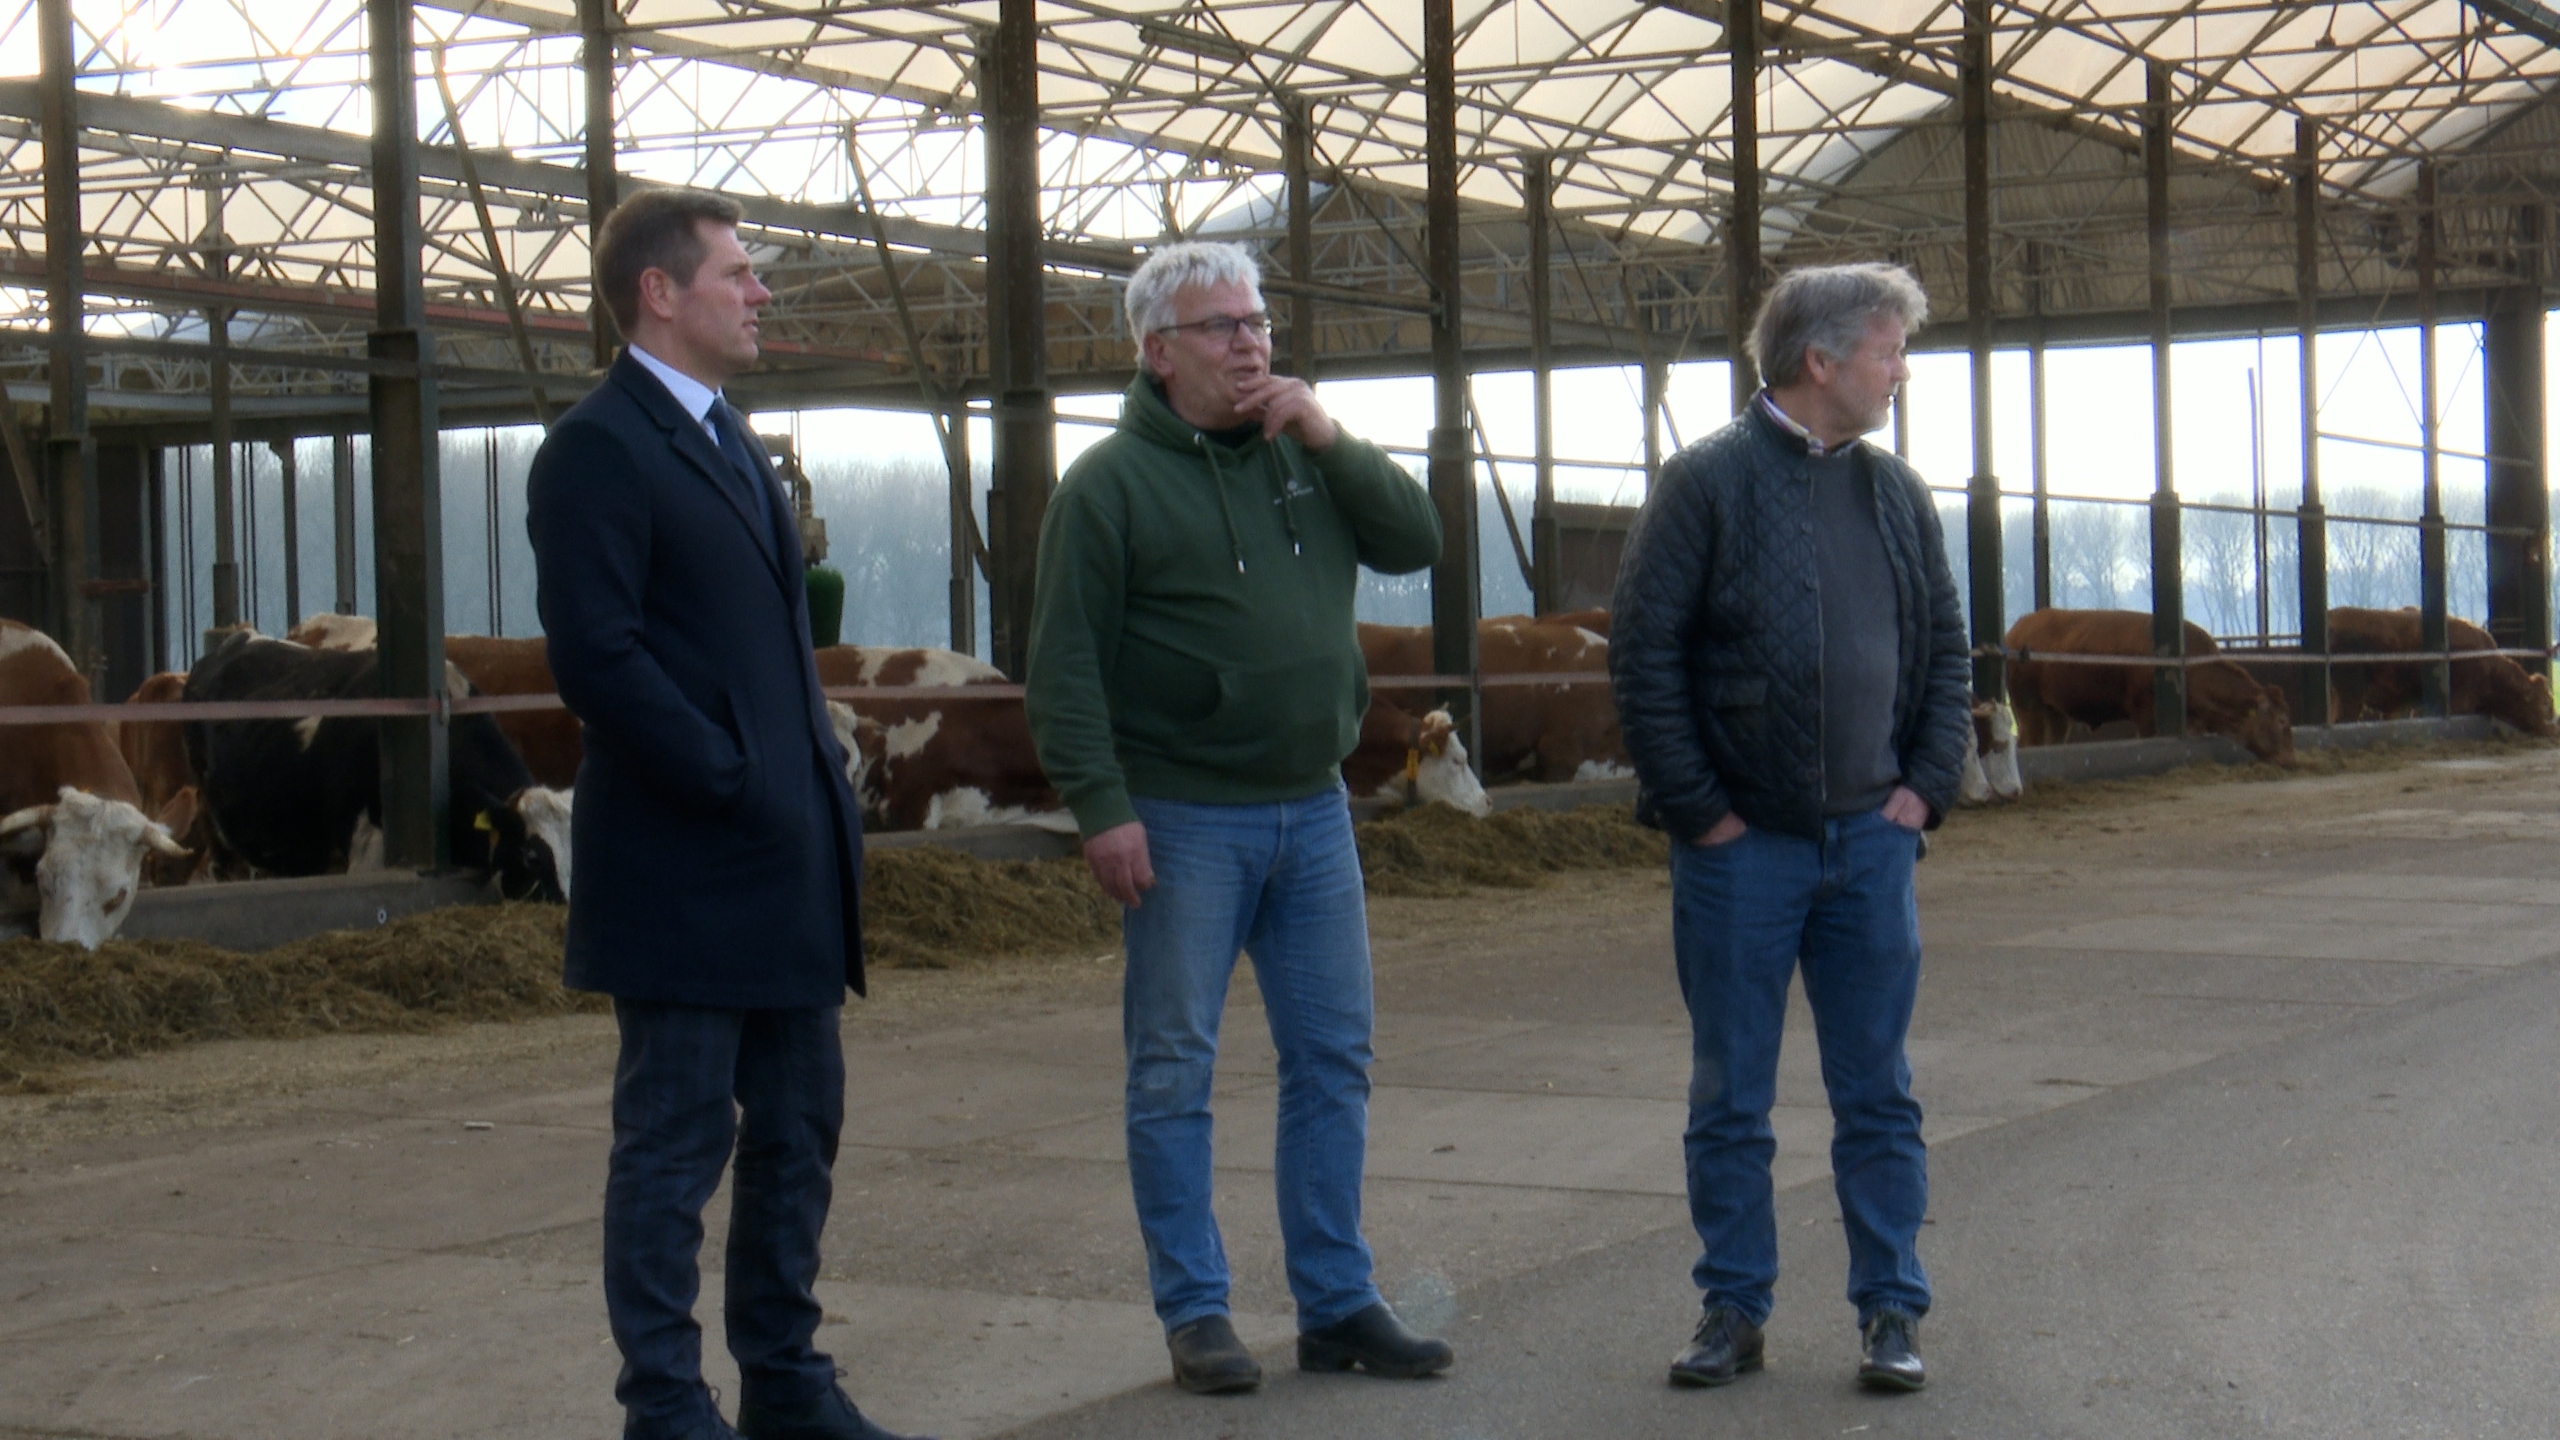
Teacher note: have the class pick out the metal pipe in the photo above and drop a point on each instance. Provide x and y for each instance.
(596, 22)
(289, 483)
(342, 514)
(2436, 677)
(2168, 596)
(2036, 430)
(1455, 597)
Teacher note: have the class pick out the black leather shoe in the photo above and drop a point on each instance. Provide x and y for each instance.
(827, 1416)
(1376, 1341)
(1208, 1359)
(1724, 1347)
(1892, 1359)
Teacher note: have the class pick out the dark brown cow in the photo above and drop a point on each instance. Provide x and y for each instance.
(1534, 732)
(2492, 685)
(2049, 695)
(931, 763)
(549, 740)
(71, 826)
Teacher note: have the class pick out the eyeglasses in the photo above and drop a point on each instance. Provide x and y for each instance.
(1222, 328)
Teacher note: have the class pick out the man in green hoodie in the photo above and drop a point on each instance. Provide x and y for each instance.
(1195, 680)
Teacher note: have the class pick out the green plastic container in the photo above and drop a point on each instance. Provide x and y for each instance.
(826, 605)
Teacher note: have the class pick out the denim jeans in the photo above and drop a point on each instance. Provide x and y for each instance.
(1281, 882)
(693, 1084)
(1743, 914)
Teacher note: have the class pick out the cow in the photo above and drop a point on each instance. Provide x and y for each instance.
(156, 752)
(551, 741)
(71, 822)
(1416, 760)
(1532, 732)
(2049, 695)
(304, 797)
(334, 632)
(2492, 685)
(1991, 760)
(943, 761)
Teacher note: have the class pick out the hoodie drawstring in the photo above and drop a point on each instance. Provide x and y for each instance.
(1218, 477)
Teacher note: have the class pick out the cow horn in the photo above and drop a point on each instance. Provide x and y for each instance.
(27, 819)
(159, 838)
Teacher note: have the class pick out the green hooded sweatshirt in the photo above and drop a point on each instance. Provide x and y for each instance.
(1191, 633)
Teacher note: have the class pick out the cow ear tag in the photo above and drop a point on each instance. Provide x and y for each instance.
(480, 822)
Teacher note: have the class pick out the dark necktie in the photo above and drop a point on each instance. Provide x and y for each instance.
(759, 493)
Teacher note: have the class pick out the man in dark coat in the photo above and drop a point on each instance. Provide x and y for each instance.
(1789, 664)
(719, 847)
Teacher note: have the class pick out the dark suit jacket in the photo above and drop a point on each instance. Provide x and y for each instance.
(719, 849)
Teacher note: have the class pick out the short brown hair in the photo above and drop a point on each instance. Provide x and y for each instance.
(654, 230)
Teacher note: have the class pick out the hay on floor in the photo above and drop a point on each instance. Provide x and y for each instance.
(929, 907)
(60, 1004)
(1437, 850)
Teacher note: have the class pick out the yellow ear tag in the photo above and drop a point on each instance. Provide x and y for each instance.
(480, 822)
(1412, 765)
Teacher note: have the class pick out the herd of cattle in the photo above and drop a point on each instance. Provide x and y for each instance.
(90, 811)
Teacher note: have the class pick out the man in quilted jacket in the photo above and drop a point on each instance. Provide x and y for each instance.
(1790, 669)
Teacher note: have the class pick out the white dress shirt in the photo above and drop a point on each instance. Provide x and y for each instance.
(692, 395)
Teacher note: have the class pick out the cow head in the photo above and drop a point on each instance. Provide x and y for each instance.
(1439, 766)
(2520, 699)
(1991, 762)
(87, 855)
(528, 839)
(2266, 729)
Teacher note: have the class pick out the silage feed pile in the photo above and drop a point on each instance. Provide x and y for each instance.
(60, 1004)
(928, 907)
(1439, 851)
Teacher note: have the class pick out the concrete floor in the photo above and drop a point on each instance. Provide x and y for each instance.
(2236, 1094)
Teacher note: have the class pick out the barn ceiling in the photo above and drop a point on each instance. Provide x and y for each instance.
(225, 164)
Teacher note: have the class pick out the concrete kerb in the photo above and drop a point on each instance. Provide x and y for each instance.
(2124, 759)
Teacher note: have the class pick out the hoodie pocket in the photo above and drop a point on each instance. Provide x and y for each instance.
(1282, 719)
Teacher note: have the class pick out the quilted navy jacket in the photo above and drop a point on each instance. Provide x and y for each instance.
(1715, 652)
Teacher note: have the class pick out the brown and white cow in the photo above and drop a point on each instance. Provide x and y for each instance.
(1991, 761)
(943, 761)
(327, 631)
(1531, 732)
(2049, 695)
(549, 740)
(2492, 685)
(70, 818)
(1418, 760)
(156, 752)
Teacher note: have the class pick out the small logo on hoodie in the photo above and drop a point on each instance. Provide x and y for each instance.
(1295, 489)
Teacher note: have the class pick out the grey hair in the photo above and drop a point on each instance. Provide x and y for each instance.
(1828, 308)
(1172, 268)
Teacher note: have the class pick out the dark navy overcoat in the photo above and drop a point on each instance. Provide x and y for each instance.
(717, 846)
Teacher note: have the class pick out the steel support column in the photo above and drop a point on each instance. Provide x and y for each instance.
(71, 453)
(1742, 228)
(2435, 676)
(2311, 544)
(596, 21)
(342, 514)
(2168, 595)
(289, 484)
(1454, 595)
(1546, 562)
(2518, 432)
(1297, 161)
(1982, 494)
(2036, 453)
(226, 471)
(1025, 463)
(408, 503)
(962, 478)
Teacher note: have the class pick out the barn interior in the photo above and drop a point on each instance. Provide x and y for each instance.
(233, 227)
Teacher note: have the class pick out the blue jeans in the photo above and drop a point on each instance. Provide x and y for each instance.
(1280, 882)
(694, 1084)
(1742, 915)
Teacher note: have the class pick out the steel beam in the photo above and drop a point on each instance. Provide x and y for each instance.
(2168, 596)
(289, 483)
(1025, 462)
(214, 252)
(71, 453)
(1983, 570)
(602, 182)
(342, 514)
(2518, 431)
(1742, 227)
(2311, 545)
(1546, 562)
(2038, 470)
(2435, 676)
(1296, 162)
(1455, 598)
(408, 506)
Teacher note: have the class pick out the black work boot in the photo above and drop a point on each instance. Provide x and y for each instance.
(1375, 1341)
(1724, 1346)
(1208, 1359)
